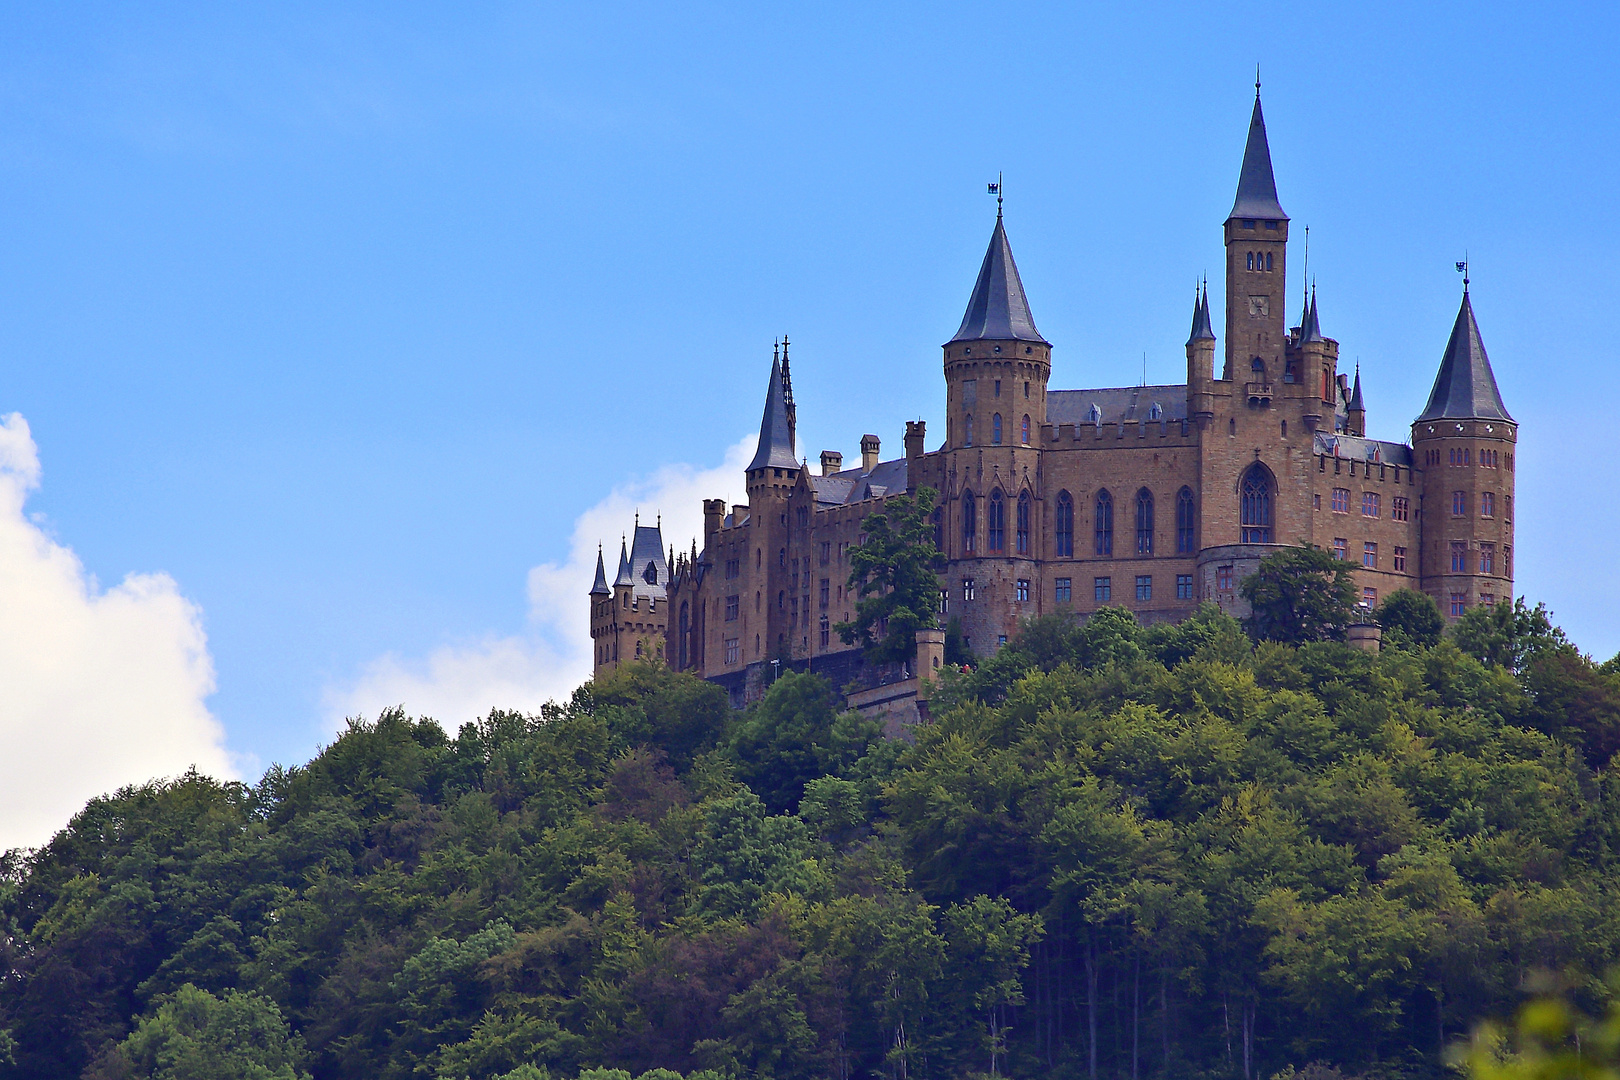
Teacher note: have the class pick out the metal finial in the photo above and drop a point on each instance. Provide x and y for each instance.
(1257, 78)
(1462, 268)
(995, 189)
(776, 350)
(638, 517)
(1305, 272)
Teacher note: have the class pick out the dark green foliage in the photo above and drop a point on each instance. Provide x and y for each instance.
(892, 571)
(1299, 595)
(1163, 851)
(1410, 620)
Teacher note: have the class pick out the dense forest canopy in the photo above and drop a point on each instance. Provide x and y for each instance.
(1117, 852)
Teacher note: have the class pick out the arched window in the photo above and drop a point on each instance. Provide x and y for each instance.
(685, 626)
(650, 575)
(1105, 523)
(970, 521)
(1064, 548)
(995, 522)
(968, 428)
(1259, 367)
(995, 430)
(1185, 518)
(1024, 431)
(1024, 507)
(1144, 522)
(1251, 260)
(1255, 495)
(1268, 260)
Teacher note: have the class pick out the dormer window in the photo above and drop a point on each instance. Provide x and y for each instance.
(650, 576)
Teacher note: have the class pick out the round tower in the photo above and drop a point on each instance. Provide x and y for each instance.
(1464, 443)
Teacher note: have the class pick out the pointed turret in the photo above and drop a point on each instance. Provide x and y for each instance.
(1465, 388)
(600, 588)
(775, 429)
(1356, 414)
(998, 309)
(1201, 328)
(1312, 328)
(1356, 404)
(624, 577)
(1257, 186)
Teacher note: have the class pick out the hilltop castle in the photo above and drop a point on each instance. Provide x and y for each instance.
(1154, 498)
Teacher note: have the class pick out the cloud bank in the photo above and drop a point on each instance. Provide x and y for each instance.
(552, 655)
(98, 688)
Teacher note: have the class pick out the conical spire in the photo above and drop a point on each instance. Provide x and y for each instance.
(775, 429)
(600, 588)
(1465, 388)
(1312, 329)
(1257, 187)
(1355, 394)
(1201, 328)
(625, 577)
(998, 309)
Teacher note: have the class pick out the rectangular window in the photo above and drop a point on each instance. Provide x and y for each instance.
(1459, 604)
(733, 568)
(1459, 504)
(1104, 587)
(1001, 639)
(1144, 587)
(1487, 504)
(1223, 578)
(826, 631)
(731, 608)
(1369, 597)
(1487, 558)
(944, 601)
(1316, 501)
(1061, 590)
(1341, 548)
(1400, 558)
(1369, 504)
(1022, 591)
(826, 593)
(968, 591)
(1487, 599)
(1459, 557)
(826, 552)
(1369, 555)
(1341, 500)
(795, 575)
(1184, 587)
(731, 650)
(1400, 509)
(1507, 508)
(1507, 561)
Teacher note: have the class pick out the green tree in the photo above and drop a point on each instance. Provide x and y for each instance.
(1298, 595)
(1508, 634)
(892, 571)
(193, 1035)
(1410, 619)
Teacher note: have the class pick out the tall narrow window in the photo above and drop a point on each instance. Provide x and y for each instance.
(1024, 508)
(1255, 499)
(1105, 523)
(1024, 430)
(995, 430)
(995, 522)
(1186, 518)
(1064, 547)
(1251, 260)
(967, 427)
(970, 521)
(1144, 522)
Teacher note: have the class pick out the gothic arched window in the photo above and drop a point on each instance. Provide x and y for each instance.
(1105, 523)
(1025, 429)
(1064, 547)
(1255, 495)
(970, 521)
(995, 430)
(1268, 260)
(968, 427)
(1186, 518)
(995, 522)
(1024, 507)
(1251, 260)
(1144, 522)
(685, 627)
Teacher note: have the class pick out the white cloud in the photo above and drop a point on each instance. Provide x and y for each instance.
(460, 682)
(98, 688)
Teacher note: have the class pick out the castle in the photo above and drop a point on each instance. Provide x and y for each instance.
(1154, 498)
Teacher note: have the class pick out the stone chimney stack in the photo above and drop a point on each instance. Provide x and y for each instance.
(714, 512)
(915, 430)
(869, 452)
(831, 461)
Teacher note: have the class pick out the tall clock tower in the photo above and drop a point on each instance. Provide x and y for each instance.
(1256, 260)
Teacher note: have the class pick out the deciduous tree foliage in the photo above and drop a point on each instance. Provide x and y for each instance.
(892, 571)
(1117, 852)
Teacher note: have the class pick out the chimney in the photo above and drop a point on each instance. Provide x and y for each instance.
(915, 430)
(831, 462)
(714, 513)
(869, 452)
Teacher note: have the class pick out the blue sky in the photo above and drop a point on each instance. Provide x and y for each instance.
(343, 315)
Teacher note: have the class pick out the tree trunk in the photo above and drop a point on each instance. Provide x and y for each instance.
(1248, 1040)
(1091, 1000)
(1136, 1013)
(1164, 1018)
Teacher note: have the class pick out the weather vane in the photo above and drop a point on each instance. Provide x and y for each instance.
(995, 189)
(1462, 268)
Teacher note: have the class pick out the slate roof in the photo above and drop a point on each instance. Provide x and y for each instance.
(1201, 328)
(775, 429)
(1257, 187)
(998, 309)
(600, 587)
(1465, 388)
(1312, 330)
(853, 485)
(648, 560)
(1355, 448)
(623, 577)
(1116, 404)
(1356, 404)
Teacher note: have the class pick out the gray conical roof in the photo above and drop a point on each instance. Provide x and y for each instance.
(998, 309)
(1312, 328)
(775, 429)
(1465, 388)
(624, 577)
(1355, 394)
(1201, 328)
(600, 588)
(1257, 187)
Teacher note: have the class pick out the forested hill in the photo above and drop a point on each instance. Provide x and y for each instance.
(1116, 853)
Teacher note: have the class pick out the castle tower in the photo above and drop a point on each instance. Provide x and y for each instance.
(771, 477)
(998, 364)
(1358, 408)
(1256, 254)
(1320, 366)
(601, 616)
(1464, 441)
(1201, 361)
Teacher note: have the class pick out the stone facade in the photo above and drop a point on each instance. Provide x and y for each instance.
(1153, 498)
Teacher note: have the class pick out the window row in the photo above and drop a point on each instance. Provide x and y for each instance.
(1484, 457)
(1259, 260)
(1487, 505)
(1063, 590)
(1484, 559)
(995, 430)
(1369, 554)
(1400, 506)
